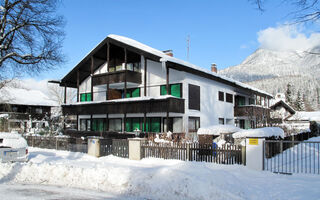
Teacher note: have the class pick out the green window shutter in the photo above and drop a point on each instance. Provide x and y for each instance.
(155, 125)
(175, 90)
(100, 126)
(136, 92)
(163, 90)
(128, 94)
(128, 125)
(94, 124)
(89, 97)
(135, 124)
(82, 97)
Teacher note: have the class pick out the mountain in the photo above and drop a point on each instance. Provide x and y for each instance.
(272, 71)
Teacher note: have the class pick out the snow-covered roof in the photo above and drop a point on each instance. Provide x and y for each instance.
(217, 130)
(21, 96)
(285, 105)
(127, 99)
(165, 58)
(305, 116)
(260, 132)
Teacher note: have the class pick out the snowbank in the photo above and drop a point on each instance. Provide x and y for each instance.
(155, 178)
(217, 130)
(260, 132)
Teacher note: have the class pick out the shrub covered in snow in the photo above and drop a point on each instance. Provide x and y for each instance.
(260, 132)
(218, 130)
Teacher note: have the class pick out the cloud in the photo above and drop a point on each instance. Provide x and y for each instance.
(287, 38)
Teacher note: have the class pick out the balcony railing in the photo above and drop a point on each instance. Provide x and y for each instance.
(117, 77)
(251, 110)
(122, 106)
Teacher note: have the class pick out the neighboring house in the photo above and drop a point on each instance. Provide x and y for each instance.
(301, 120)
(280, 111)
(126, 86)
(24, 110)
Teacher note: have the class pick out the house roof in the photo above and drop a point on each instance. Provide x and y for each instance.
(21, 96)
(285, 105)
(305, 116)
(99, 53)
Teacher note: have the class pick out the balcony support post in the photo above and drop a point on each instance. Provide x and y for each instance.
(108, 64)
(107, 122)
(78, 85)
(125, 74)
(92, 64)
(145, 76)
(65, 94)
(168, 93)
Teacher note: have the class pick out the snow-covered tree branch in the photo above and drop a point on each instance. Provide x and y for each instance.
(31, 35)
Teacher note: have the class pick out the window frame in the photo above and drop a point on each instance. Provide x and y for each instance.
(221, 96)
(230, 99)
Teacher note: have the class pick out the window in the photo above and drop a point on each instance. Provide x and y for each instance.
(133, 124)
(229, 121)
(85, 97)
(175, 124)
(134, 92)
(175, 89)
(229, 98)
(193, 124)
(194, 97)
(85, 125)
(39, 110)
(221, 96)
(251, 101)
(14, 109)
(221, 120)
(98, 124)
(115, 125)
(240, 100)
(258, 100)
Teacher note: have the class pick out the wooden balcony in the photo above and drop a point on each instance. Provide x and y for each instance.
(170, 104)
(117, 77)
(251, 111)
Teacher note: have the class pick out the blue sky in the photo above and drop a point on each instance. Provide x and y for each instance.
(223, 32)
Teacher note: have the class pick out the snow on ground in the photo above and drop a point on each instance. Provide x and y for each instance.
(155, 178)
(217, 130)
(301, 158)
(260, 132)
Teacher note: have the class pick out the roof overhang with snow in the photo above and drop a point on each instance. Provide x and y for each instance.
(285, 105)
(99, 55)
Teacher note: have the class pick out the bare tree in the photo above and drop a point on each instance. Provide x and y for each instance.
(31, 35)
(305, 10)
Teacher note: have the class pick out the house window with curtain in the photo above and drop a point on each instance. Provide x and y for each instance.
(85, 97)
(175, 89)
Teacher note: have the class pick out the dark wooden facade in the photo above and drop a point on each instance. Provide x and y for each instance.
(122, 107)
(117, 77)
(24, 112)
(251, 110)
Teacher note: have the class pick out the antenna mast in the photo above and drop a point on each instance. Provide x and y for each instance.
(188, 46)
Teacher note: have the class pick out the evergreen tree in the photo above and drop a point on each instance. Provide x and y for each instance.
(299, 102)
(289, 94)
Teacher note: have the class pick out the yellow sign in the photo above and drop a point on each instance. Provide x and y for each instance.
(253, 141)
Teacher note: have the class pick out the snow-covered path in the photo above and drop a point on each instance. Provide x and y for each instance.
(156, 178)
(47, 192)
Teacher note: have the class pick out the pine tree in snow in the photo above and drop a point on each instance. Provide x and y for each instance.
(299, 102)
(289, 94)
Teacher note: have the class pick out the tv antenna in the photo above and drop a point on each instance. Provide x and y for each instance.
(188, 46)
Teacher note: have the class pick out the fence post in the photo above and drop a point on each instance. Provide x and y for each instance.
(188, 152)
(243, 155)
(32, 139)
(56, 143)
(135, 150)
(255, 153)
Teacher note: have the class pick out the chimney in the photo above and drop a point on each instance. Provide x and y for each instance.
(214, 68)
(168, 52)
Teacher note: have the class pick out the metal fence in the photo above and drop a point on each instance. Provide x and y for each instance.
(227, 154)
(292, 157)
(58, 143)
(116, 147)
